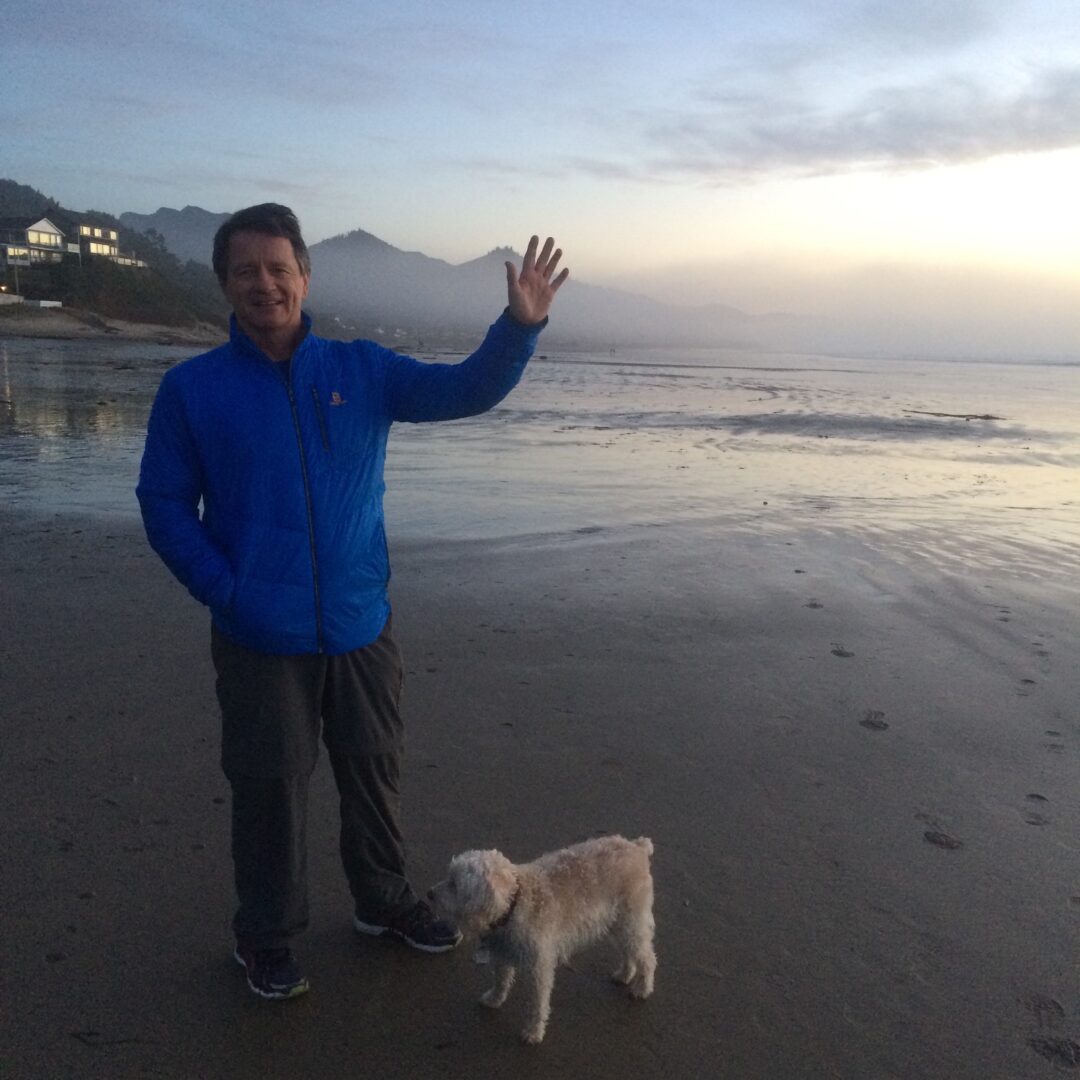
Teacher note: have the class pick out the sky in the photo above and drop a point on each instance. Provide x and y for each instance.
(903, 161)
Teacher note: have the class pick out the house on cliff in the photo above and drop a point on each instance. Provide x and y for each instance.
(28, 241)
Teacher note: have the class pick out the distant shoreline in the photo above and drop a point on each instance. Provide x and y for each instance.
(72, 324)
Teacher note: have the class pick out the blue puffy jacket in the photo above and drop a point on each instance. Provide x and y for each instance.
(290, 553)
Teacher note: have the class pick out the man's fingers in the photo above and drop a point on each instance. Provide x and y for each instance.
(545, 254)
(530, 255)
(532, 287)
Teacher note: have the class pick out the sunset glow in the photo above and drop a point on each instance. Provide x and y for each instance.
(663, 147)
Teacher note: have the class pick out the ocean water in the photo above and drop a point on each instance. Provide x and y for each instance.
(963, 460)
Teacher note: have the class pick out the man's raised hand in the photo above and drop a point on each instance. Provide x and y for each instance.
(532, 290)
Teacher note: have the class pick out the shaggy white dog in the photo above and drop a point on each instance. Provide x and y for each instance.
(535, 916)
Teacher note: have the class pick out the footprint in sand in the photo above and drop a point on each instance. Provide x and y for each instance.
(936, 835)
(1046, 1011)
(942, 840)
(1036, 819)
(1059, 1051)
(814, 604)
(839, 650)
(874, 720)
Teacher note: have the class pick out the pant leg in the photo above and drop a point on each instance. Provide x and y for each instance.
(269, 746)
(372, 846)
(364, 735)
(269, 850)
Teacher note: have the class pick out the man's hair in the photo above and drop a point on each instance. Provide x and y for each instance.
(270, 219)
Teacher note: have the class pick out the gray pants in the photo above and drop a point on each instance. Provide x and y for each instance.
(273, 710)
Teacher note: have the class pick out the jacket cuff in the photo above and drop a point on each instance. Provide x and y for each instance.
(538, 326)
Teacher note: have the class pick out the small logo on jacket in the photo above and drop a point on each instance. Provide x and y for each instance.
(336, 398)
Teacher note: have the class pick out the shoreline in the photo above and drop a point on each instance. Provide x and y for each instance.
(74, 324)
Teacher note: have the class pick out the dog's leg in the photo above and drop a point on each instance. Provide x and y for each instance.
(635, 937)
(542, 978)
(504, 979)
(625, 972)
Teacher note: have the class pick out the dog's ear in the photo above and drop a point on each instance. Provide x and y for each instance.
(483, 880)
(501, 875)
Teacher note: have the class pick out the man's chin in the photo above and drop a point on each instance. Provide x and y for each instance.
(266, 319)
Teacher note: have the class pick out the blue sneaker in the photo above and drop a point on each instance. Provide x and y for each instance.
(416, 926)
(271, 973)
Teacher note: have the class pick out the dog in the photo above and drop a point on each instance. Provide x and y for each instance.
(535, 916)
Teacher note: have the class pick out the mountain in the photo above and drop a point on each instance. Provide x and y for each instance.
(362, 286)
(21, 200)
(367, 283)
(188, 233)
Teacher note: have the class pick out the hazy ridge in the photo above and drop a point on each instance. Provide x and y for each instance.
(363, 285)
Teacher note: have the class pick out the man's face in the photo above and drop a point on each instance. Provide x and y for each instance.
(264, 284)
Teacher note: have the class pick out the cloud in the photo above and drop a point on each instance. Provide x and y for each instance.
(737, 136)
(917, 25)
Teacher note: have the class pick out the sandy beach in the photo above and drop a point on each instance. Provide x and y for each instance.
(849, 726)
(861, 790)
(70, 324)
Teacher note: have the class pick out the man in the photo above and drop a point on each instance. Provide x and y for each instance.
(281, 435)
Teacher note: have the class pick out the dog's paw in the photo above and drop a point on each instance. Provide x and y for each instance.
(492, 999)
(533, 1036)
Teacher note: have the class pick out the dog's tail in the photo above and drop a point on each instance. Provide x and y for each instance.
(646, 843)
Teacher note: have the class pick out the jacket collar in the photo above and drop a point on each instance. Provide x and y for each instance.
(244, 344)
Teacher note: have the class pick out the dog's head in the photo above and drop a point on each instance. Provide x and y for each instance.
(477, 890)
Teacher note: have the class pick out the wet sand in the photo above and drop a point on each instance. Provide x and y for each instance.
(858, 768)
(72, 324)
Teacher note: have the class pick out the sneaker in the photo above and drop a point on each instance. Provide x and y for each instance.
(272, 973)
(416, 926)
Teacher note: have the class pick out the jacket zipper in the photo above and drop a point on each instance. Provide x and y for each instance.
(310, 513)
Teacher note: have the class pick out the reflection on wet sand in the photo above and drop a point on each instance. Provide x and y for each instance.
(961, 460)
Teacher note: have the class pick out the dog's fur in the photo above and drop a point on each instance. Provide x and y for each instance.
(535, 916)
